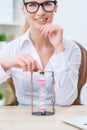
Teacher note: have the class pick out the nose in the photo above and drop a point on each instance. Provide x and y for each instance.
(40, 10)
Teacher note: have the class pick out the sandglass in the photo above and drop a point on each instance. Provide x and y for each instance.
(41, 93)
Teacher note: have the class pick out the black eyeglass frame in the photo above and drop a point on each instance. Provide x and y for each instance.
(39, 4)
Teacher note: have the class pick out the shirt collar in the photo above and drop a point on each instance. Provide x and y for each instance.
(25, 37)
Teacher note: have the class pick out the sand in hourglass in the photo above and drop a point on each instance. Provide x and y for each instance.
(41, 82)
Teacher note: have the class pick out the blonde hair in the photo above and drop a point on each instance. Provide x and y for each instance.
(26, 24)
(25, 27)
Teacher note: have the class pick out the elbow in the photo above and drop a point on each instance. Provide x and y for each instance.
(67, 101)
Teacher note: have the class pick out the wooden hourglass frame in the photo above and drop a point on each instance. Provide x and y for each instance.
(52, 110)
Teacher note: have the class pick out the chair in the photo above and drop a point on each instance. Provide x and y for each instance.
(82, 72)
(15, 102)
(82, 76)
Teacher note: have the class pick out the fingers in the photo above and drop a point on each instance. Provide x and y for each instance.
(45, 30)
(38, 67)
(27, 63)
(49, 29)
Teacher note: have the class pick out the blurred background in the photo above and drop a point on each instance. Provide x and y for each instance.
(11, 18)
(71, 16)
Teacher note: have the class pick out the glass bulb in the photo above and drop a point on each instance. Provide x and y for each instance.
(42, 93)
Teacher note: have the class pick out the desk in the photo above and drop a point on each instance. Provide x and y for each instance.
(20, 118)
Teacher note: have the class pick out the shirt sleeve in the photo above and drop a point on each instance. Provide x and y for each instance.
(66, 67)
(4, 75)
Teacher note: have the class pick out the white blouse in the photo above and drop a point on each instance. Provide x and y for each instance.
(65, 66)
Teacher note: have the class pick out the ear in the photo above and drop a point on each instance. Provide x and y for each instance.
(56, 7)
(23, 9)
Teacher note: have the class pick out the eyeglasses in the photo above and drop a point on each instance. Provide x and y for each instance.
(33, 7)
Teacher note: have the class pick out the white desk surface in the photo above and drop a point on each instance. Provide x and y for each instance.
(20, 118)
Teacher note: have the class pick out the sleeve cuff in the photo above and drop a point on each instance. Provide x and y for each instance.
(3, 75)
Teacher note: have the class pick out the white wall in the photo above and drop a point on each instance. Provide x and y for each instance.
(72, 16)
(11, 25)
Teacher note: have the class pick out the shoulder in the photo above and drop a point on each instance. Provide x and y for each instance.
(13, 46)
(18, 42)
(71, 45)
(15, 42)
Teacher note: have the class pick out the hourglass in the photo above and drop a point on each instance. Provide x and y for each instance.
(42, 93)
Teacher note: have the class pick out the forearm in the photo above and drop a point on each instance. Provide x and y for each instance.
(5, 64)
(66, 68)
(66, 87)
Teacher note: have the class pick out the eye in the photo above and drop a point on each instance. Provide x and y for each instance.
(32, 4)
(47, 3)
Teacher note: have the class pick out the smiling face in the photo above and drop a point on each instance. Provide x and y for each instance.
(41, 17)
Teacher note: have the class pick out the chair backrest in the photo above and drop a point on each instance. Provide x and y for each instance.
(14, 102)
(82, 72)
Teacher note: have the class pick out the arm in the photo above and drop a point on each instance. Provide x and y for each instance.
(11, 57)
(66, 66)
(65, 63)
(4, 75)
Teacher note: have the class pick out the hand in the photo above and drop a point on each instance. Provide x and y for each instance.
(24, 61)
(55, 35)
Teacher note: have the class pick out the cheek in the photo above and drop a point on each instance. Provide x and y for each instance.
(50, 18)
(30, 17)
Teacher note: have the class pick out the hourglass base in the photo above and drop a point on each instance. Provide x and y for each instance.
(45, 113)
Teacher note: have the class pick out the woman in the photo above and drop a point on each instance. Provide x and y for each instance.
(41, 48)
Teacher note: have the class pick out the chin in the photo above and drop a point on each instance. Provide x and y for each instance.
(40, 25)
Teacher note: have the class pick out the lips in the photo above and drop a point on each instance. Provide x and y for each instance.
(41, 20)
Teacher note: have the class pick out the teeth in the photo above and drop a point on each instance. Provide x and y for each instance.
(41, 20)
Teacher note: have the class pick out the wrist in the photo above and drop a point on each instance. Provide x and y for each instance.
(60, 48)
(4, 65)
